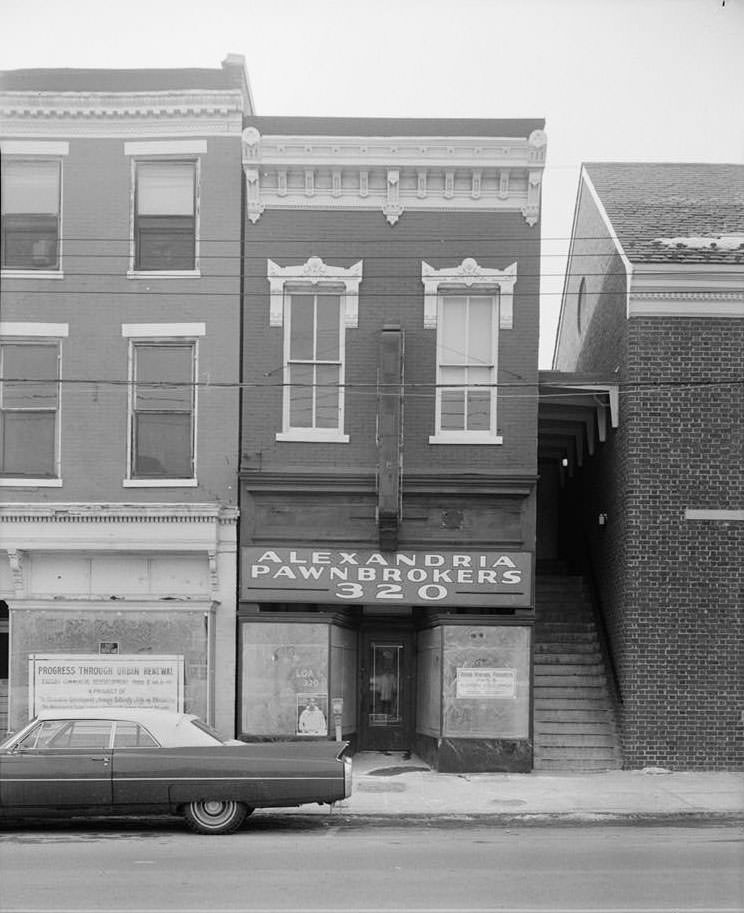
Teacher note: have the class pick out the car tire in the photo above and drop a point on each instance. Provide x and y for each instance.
(215, 816)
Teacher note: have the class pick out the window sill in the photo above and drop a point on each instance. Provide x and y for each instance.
(159, 483)
(464, 437)
(164, 274)
(310, 436)
(30, 483)
(31, 274)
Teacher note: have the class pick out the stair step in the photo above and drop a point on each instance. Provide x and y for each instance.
(574, 740)
(578, 715)
(593, 764)
(564, 637)
(585, 727)
(560, 653)
(579, 753)
(553, 681)
(569, 669)
(566, 648)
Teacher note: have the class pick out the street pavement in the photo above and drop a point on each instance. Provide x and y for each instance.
(396, 784)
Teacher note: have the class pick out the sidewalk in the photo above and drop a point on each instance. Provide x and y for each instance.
(391, 784)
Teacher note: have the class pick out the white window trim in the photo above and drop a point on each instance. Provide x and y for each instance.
(164, 331)
(155, 333)
(132, 272)
(170, 148)
(466, 279)
(53, 332)
(32, 150)
(314, 276)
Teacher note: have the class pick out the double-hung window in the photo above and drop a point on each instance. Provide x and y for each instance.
(29, 407)
(165, 216)
(314, 348)
(30, 214)
(468, 306)
(315, 304)
(467, 353)
(162, 410)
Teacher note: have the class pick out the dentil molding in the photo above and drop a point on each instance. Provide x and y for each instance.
(394, 174)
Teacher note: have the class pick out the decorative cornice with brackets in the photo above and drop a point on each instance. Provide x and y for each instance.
(394, 174)
(116, 526)
(469, 275)
(314, 273)
(111, 114)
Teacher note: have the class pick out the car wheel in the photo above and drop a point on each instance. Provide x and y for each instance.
(215, 816)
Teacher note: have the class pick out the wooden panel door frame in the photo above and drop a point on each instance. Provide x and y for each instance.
(387, 693)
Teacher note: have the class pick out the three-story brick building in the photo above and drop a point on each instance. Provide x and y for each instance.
(120, 312)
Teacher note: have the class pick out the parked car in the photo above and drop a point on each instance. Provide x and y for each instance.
(135, 762)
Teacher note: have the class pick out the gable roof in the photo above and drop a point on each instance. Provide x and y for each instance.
(666, 212)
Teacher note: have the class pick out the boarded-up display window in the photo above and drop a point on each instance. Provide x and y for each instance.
(138, 632)
(486, 682)
(284, 675)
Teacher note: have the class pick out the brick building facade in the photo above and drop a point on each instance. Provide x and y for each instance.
(119, 316)
(654, 299)
(388, 448)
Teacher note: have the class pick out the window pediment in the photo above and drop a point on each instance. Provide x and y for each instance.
(469, 276)
(313, 274)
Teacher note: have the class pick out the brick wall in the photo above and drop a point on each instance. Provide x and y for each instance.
(684, 579)
(671, 589)
(391, 292)
(95, 298)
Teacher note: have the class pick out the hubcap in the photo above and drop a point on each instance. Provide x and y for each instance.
(213, 807)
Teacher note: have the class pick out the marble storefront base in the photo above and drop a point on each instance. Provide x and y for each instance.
(475, 755)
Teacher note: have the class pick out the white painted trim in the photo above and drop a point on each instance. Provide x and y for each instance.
(163, 330)
(317, 274)
(615, 240)
(34, 147)
(465, 437)
(468, 276)
(166, 147)
(30, 483)
(312, 436)
(159, 483)
(164, 274)
(713, 514)
(692, 305)
(389, 173)
(33, 273)
(34, 329)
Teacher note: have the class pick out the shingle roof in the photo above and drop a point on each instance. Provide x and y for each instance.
(697, 208)
(396, 126)
(74, 80)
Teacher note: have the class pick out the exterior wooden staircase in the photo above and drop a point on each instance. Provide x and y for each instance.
(574, 718)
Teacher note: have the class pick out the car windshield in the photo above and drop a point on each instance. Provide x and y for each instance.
(208, 729)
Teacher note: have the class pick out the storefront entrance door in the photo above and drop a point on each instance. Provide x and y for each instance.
(387, 690)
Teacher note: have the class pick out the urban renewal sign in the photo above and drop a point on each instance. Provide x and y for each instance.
(446, 578)
(63, 682)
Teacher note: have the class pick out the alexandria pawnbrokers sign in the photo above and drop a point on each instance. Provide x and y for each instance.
(485, 579)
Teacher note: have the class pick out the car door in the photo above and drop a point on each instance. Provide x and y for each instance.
(60, 765)
(142, 772)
